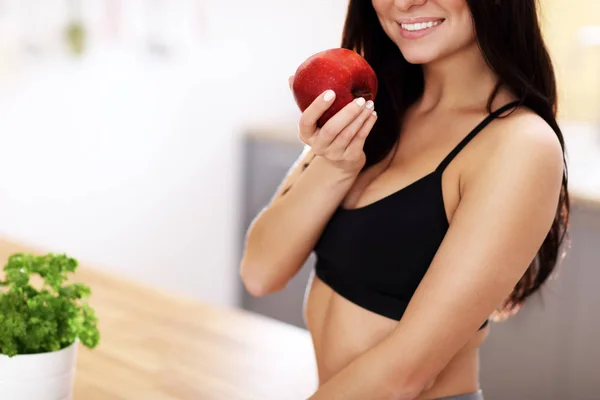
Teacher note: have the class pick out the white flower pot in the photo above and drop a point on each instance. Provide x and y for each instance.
(44, 376)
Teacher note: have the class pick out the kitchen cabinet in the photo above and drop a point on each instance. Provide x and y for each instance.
(550, 349)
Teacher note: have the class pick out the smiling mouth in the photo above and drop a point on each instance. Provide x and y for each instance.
(420, 26)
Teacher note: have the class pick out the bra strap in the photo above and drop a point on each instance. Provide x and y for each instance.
(492, 116)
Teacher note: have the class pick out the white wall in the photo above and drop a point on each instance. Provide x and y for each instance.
(129, 162)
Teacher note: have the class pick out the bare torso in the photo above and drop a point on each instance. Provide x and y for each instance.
(342, 331)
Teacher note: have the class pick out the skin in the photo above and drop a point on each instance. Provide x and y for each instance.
(500, 195)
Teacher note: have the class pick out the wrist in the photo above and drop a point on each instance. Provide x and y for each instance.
(343, 171)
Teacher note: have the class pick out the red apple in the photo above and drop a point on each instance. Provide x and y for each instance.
(341, 70)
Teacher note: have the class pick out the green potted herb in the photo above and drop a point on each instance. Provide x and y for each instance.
(40, 326)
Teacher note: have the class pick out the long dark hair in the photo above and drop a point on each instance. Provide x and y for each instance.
(509, 36)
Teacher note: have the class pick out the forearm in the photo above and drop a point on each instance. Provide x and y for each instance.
(371, 376)
(283, 235)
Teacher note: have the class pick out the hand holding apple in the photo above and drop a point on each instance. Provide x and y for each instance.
(344, 71)
(335, 90)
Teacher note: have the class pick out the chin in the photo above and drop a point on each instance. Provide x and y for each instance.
(430, 53)
(420, 56)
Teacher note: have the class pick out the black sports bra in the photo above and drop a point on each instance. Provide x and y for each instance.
(375, 256)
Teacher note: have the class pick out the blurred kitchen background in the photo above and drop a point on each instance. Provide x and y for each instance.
(143, 136)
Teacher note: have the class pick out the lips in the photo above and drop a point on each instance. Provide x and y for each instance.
(419, 19)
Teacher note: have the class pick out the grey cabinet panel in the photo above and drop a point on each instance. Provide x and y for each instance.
(550, 349)
(266, 164)
(521, 358)
(582, 328)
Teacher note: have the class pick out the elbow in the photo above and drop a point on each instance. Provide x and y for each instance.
(256, 287)
(256, 282)
(405, 392)
(400, 387)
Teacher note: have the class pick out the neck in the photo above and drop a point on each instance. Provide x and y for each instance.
(462, 80)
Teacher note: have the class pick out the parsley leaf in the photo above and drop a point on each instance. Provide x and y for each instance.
(49, 318)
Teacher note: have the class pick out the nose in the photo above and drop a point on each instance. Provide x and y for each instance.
(405, 5)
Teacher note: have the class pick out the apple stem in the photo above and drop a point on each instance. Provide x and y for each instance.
(361, 93)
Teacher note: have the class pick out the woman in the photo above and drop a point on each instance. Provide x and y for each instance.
(441, 205)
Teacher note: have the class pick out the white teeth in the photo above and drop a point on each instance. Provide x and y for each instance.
(420, 26)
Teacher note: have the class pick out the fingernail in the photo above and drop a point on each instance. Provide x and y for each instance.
(374, 113)
(360, 101)
(369, 104)
(329, 95)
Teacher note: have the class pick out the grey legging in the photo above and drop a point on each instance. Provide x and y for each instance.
(471, 396)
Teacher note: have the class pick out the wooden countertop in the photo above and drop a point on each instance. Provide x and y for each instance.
(155, 346)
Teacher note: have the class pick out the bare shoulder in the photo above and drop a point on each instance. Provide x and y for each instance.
(525, 134)
(521, 152)
(523, 141)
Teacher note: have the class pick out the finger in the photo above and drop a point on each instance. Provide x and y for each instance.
(339, 122)
(291, 82)
(355, 148)
(310, 116)
(345, 137)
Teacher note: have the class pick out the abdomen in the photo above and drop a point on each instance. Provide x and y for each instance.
(342, 331)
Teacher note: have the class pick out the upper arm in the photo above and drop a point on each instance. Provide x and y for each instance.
(503, 217)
